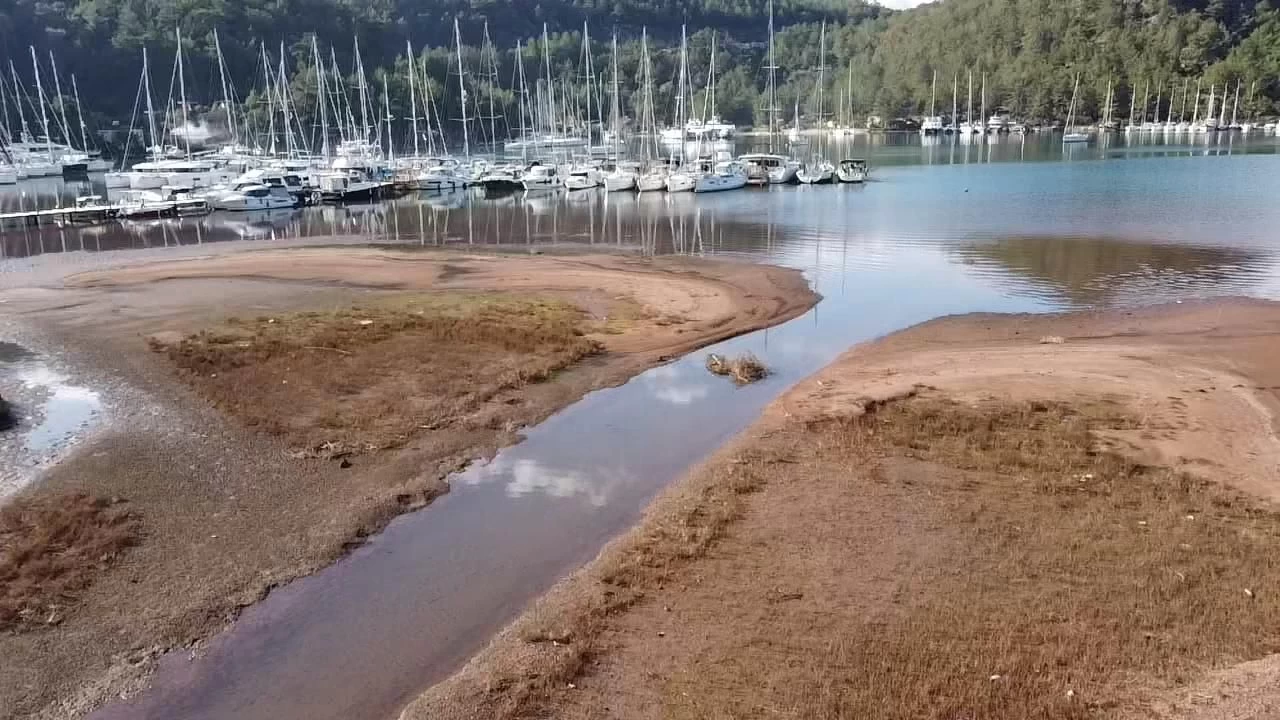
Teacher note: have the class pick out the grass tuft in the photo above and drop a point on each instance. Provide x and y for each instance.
(53, 547)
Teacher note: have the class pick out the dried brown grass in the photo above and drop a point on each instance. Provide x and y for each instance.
(368, 377)
(53, 547)
(1078, 575)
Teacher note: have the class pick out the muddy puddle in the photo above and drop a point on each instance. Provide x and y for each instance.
(45, 414)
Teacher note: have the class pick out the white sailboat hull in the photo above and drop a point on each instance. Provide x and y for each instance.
(716, 182)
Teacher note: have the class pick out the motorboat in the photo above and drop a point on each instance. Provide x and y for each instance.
(351, 185)
(727, 175)
(852, 170)
(501, 177)
(820, 172)
(251, 196)
(1076, 137)
(442, 174)
(931, 125)
(778, 170)
(582, 178)
(541, 178)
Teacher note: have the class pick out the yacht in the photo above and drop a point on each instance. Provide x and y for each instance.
(998, 123)
(727, 175)
(582, 178)
(541, 178)
(852, 170)
(442, 174)
(501, 177)
(351, 185)
(777, 169)
(250, 196)
(931, 125)
(154, 175)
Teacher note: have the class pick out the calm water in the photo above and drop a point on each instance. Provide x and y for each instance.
(943, 229)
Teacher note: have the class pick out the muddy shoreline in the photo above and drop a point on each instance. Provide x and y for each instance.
(228, 514)
(751, 583)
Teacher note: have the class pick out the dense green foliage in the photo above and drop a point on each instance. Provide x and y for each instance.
(877, 61)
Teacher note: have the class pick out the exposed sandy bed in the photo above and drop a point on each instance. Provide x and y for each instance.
(982, 516)
(227, 512)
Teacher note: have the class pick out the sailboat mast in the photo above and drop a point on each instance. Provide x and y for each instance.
(1182, 111)
(1195, 109)
(226, 91)
(462, 90)
(151, 113)
(363, 93)
(524, 102)
(62, 104)
(586, 53)
(1235, 105)
(493, 80)
(933, 94)
(44, 119)
(773, 90)
(386, 109)
(968, 115)
(413, 101)
(282, 88)
(617, 98)
(324, 101)
(84, 137)
(982, 116)
(822, 68)
(546, 62)
(182, 88)
(1133, 99)
(17, 100)
(271, 100)
(955, 98)
(680, 91)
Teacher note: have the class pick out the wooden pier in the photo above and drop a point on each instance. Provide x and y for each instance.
(93, 214)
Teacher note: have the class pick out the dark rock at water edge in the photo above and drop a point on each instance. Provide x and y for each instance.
(7, 420)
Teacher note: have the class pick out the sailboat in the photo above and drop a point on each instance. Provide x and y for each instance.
(623, 176)
(819, 171)
(685, 178)
(769, 167)
(932, 123)
(654, 174)
(1070, 136)
(968, 127)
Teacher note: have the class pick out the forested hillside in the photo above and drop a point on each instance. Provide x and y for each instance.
(877, 61)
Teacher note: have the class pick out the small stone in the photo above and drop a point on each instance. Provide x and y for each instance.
(1071, 693)
(1248, 593)
(344, 464)
(1191, 517)
(993, 678)
(1052, 340)
(1143, 523)
(572, 686)
(661, 634)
